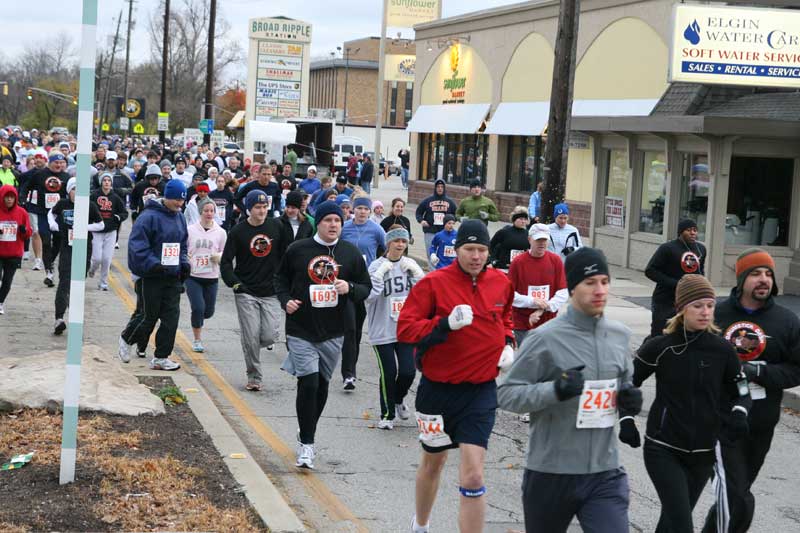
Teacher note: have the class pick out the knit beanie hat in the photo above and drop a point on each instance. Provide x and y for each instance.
(175, 190)
(448, 217)
(328, 208)
(692, 287)
(294, 199)
(472, 232)
(165, 163)
(685, 224)
(748, 261)
(152, 170)
(71, 184)
(583, 263)
(560, 209)
(519, 212)
(397, 233)
(204, 202)
(343, 199)
(202, 187)
(256, 196)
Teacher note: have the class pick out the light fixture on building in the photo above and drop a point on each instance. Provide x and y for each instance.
(430, 47)
(446, 42)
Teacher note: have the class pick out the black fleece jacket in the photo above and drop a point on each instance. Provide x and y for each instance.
(669, 264)
(772, 335)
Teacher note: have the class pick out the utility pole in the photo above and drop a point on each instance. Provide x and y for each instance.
(104, 109)
(164, 52)
(347, 52)
(127, 61)
(209, 113)
(556, 150)
(379, 116)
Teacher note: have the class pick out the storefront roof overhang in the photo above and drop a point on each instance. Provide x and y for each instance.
(689, 125)
(237, 121)
(448, 118)
(530, 118)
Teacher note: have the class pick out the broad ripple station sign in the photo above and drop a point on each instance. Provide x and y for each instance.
(735, 46)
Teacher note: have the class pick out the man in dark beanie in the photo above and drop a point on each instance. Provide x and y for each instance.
(565, 371)
(672, 260)
(459, 318)
(766, 337)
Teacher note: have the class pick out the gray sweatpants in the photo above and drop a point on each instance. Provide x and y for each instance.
(259, 320)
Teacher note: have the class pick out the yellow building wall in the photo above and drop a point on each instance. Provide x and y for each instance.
(627, 60)
(470, 64)
(529, 76)
(580, 173)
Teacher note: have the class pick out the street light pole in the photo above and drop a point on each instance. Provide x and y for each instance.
(164, 49)
(209, 111)
(127, 62)
(346, 74)
(379, 114)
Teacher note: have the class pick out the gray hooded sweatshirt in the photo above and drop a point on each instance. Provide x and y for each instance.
(394, 286)
(572, 339)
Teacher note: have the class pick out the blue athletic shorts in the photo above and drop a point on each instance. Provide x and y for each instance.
(467, 409)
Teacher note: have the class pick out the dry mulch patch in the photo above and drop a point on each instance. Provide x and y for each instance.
(133, 474)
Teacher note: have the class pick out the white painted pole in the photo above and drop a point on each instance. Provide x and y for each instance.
(72, 382)
(376, 179)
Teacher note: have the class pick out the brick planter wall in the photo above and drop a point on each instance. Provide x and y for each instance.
(580, 212)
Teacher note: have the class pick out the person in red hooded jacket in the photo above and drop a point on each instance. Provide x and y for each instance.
(14, 232)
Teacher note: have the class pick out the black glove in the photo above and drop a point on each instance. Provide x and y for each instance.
(23, 229)
(751, 371)
(239, 288)
(569, 383)
(629, 434)
(629, 400)
(184, 272)
(737, 426)
(158, 269)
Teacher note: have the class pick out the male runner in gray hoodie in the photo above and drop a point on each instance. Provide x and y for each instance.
(572, 375)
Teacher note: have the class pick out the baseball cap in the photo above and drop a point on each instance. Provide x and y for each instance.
(539, 231)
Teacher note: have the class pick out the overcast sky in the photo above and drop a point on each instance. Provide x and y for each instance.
(333, 21)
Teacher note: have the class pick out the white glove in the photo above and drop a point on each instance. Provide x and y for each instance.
(385, 267)
(434, 259)
(460, 316)
(411, 267)
(506, 358)
(483, 214)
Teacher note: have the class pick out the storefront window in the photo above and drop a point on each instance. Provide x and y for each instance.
(695, 186)
(525, 163)
(619, 175)
(455, 158)
(759, 197)
(654, 192)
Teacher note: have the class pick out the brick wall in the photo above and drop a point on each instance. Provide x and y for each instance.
(580, 212)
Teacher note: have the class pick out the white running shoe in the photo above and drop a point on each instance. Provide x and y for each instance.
(38, 264)
(349, 384)
(305, 456)
(124, 352)
(163, 363)
(385, 424)
(401, 410)
(102, 286)
(59, 326)
(525, 417)
(197, 346)
(2, 309)
(416, 528)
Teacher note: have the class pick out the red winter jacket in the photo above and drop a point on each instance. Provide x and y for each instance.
(468, 355)
(12, 221)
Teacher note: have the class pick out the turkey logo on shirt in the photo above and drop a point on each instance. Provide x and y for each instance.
(52, 184)
(690, 263)
(747, 338)
(323, 269)
(105, 205)
(260, 245)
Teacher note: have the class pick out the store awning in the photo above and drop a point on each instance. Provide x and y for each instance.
(237, 121)
(448, 118)
(272, 132)
(530, 118)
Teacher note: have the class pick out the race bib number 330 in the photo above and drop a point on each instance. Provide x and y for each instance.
(598, 404)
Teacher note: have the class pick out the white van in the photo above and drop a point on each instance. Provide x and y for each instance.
(343, 147)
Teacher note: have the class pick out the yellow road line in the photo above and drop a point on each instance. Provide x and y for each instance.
(337, 510)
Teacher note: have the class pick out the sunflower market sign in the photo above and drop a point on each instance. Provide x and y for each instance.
(735, 46)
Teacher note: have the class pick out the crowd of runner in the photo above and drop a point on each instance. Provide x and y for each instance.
(515, 320)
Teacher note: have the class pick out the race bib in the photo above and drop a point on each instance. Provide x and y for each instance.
(397, 306)
(515, 253)
(323, 296)
(598, 404)
(34, 197)
(201, 264)
(221, 212)
(539, 291)
(757, 392)
(70, 236)
(449, 251)
(8, 231)
(170, 253)
(51, 199)
(438, 219)
(431, 430)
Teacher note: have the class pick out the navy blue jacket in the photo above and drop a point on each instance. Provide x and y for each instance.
(155, 226)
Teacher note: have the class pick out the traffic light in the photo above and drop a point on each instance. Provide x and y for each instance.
(29, 94)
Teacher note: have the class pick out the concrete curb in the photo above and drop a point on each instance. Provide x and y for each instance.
(791, 398)
(262, 494)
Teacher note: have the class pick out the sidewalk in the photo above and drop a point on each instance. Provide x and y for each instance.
(630, 289)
